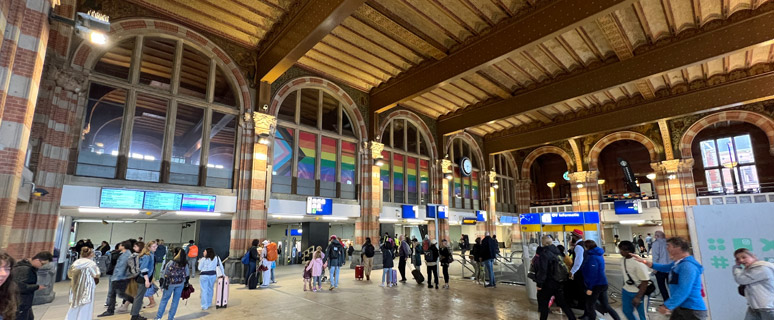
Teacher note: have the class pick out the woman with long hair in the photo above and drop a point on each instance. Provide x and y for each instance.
(209, 265)
(175, 275)
(9, 293)
(84, 276)
(147, 267)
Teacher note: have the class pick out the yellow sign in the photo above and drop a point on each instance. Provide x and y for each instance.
(469, 221)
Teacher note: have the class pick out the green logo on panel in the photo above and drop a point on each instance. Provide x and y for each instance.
(745, 243)
(716, 244)
(719, 262)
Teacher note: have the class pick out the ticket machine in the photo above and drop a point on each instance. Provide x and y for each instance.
(559, 225)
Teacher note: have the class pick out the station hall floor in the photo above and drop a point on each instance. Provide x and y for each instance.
(352, 300)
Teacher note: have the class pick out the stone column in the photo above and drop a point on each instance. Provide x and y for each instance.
(585, 191)
(491, 205)
(676, 190)
(25, 28)
(445, 166)
(371, 200)
(522, 206)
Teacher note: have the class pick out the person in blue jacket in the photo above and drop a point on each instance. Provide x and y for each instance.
(685, 300)
(593, 271)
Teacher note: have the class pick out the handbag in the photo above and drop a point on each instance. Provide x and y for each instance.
(651, 287)
(219, 272)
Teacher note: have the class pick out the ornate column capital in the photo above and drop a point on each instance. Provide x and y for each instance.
(263, 123)
(584, 176)
(492, 176)
(446, 166)
(67, 78)
(376, 149)
(673, 166)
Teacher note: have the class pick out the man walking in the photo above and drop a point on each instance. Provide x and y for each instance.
(25, 274)
(685, 301)
(489, 251)
(334, 258)
(636, 278)
(549, 283)
(577, 287)
(120, 280)
(192, 253)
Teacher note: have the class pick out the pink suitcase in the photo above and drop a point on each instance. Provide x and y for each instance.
(221, 295)
(394, 276)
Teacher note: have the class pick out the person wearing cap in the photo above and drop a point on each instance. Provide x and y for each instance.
(266, 275)
(489, 251)
(334, 258)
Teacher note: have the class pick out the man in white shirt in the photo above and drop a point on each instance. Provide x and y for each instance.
(636, 280)
(577, 238)
(577, 288)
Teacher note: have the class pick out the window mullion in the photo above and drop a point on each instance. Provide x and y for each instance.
(176, 66)
(168, 144)
(206, 131)
(134, 72)
(211, 81)
(127, 124)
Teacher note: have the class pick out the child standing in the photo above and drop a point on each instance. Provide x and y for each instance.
(308, 275)
(316, 266)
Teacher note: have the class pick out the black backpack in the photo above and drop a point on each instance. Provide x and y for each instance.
(335, 251)
(368, 250)
(429, 257)
(560, 273)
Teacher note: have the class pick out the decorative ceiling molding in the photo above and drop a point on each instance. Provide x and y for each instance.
(615, 36)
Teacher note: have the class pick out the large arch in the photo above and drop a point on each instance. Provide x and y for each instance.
(414, 119)
(327, 86)
(470, 141)
(86, 56)
(761, 121)
(618, 136)
(532, 156)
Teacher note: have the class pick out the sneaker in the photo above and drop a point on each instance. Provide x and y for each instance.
(429, 286)
(331, 288)
(105, 314)
(382, 285)
(446, 286)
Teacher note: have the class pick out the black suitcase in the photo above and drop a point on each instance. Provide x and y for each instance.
(253, 280)
(418, 276)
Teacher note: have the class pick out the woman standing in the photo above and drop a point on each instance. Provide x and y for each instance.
(265, 265)
(175, 274)
(446, 259)
(387, 263)
(211, 268)
(757, 279)
(254, 259)
(9, 294)
(147, 268)
(84, 276)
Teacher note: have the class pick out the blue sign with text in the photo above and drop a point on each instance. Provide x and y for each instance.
(560, 218)
(431, 210)
(480, 215)
(409, 211)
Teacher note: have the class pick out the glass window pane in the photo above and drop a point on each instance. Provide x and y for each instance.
(384, 173)
(187, 145)
(398, 176)
(309, 105)
(725, 150)
(714, 182)
(330, 113)
(411, 180)
(158, 56)
(424, 177)
(749, 176)
(287, 109)
(149, 124)
(474, 185)
(744, 151)
(347, 127)
(282, 167)
(457, 194)
(220, 162)
(101, 135)
(398, 134)
(223, 92)
(387, 136)
(466, 187)
(728, 184)
(328, 167)
(307, 155)
(708, 153)
(194, 73)
(411, 138)
(423, 147)
(116, 61)
(348, 182)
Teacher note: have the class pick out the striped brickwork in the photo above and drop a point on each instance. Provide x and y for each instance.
(526, 166)
(443, 224)
(618, 136)
(522, 206)
(585, 191)
(371, 203)
(250, 220)
(676, 191)
(22, 55)
(761, 121)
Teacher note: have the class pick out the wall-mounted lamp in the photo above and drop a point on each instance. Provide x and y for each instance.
(651, 176)
(448, 176)
(672, 176)
(264, 139)
(92, 26)
(380, 162)
(496, 185)
(601, 181)
(580, 186)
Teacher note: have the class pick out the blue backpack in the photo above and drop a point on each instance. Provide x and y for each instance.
(246, 257)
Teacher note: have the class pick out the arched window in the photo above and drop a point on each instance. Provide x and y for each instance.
(315, 146)
(155, 100)
(406, 173)
(505, 194)
(465, 189)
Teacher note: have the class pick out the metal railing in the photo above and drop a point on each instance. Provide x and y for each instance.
(720, 199)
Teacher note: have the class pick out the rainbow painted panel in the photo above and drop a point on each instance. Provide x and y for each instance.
(397, 171)
(283, 152)
(328, 160)
(424, 176)
(457, 181)
(385, 171)
(474, 177)
(307, 144)
(347, 163)
(411, 174)
(466, 187)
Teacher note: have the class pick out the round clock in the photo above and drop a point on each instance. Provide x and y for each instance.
(466, 167)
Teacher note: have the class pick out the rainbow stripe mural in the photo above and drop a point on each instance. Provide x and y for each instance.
(411, 174)
(307, 144)
(457, 181)
(474, 177)
(397, 171)
(283, 152)
(424, 176)
(328, 160)
(385, 172)
(347, 163)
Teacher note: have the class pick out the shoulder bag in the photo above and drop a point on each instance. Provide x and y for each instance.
(651, 287)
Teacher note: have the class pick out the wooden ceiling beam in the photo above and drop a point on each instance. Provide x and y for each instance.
(701, 47)
(751, 89)
(492, 46)
(290, 39)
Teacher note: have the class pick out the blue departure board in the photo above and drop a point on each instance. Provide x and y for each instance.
(164, 201)
(121, 198)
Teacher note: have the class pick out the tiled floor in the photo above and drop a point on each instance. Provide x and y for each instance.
(353, 300)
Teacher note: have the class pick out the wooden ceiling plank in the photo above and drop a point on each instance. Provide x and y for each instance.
(210, 12)
(354, 39)
(461, 15)
(420, 109)
(465, 85)
(419, 42)
(538, 114)
(353, 50)
(444, 26)
(440, 100)
(703, 46)
(263, 9)
(492, 46)
(366, 31)
(478, 12)
(431, 105)
(247, 16)
(456, 93)
(333, 73)
(344, 62)
(291, 40)
(407, 17)
(499, 68)
(492, 87)
(494, 74)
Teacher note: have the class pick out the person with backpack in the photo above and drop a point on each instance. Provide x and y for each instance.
(446, 259)
(756, 283)
(158, 258)
(593, 270)
(174, 279)
(211, 269)
(550, 275)
(272, 254)
(145, 278)
(636, 281)
(387, 263)
(404, 253)
(475, 256)
(431, 259)
(368, 258)
(25, 274)
(251, 263)
(192, 252)
(334, 258)
(119, 280)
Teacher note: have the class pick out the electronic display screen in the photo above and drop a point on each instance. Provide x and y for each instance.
(481, 215)
(121, 199)
(409, 211)
(319, 206)
(631, 206)
(198, 202)
(165, 201)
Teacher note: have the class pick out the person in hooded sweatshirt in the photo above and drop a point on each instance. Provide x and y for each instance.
(593, 270)
(757, 279)
(547, 285)
(334, 258)
(685, 300)
(25, 273)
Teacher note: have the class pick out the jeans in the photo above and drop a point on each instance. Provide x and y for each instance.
(317, 280)
(445, 270)
(138, 299)
(544, 298)
(250, 270)
(661, 280)
(207, 283)
(599, 293)
(118, 288)
(402, 268)
(173, 292)
(628, 308)
(192, 264)
(489, 264)
(760, 314)
(432, 273)
(334, 276)
(387, 274)
(688, 314)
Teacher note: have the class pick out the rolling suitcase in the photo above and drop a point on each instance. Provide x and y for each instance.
(221, 294)
(418, 276)
(254, 279)
(359, 272)
(394, 277)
